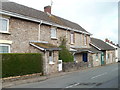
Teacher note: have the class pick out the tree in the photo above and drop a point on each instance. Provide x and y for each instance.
(65, 55)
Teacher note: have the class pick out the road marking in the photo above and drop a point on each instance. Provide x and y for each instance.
(99, 75)
(73, 85)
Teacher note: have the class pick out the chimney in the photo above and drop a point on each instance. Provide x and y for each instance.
(106, 40)
(47, 9)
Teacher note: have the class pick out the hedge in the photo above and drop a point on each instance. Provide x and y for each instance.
(17, 64)
(65, 55)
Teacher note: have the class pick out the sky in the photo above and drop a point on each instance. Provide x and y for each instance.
(99, 17)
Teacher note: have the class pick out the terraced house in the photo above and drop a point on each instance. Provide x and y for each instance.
(27, 30)
(106, 54)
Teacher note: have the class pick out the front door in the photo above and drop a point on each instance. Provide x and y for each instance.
(102, 58)
(85, 57)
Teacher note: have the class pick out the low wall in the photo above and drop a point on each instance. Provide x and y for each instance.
(71, 66)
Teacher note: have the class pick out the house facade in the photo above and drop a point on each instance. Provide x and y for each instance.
(26, 30)
(115, 46)
(107, 55)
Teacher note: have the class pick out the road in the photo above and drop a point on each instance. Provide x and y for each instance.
(98, 77)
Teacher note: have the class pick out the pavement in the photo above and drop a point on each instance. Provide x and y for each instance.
(98, 77)
(37, 79)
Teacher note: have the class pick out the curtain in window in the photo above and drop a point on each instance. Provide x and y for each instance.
(72, 38)
(3, 24)
(53, 32)
(4, 49)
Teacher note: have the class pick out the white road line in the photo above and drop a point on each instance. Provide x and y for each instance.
(99, 75)
(73, 85)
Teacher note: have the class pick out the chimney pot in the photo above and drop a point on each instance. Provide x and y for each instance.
(47, 9)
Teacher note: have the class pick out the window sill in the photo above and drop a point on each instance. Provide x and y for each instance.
(5, 33)
(72, 43)
(53, 38)
(51, 63)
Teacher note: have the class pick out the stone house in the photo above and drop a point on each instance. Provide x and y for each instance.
(27, 30)
(115, 46)
(107, 52)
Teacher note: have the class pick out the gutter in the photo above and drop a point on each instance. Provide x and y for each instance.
(38, 21)
(95, 46)
(38, 47)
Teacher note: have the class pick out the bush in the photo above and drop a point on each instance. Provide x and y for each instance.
(65, 55)
(15, 64)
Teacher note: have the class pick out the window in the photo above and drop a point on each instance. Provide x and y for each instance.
(53, 32)
(97, 57)
(4, 48)
(4, 23)
(108, 56)
(72, 38)
(51, 57)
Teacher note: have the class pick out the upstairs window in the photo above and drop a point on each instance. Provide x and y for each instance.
(53, 32)
(4, 24)
(4, 48)
(72, 39)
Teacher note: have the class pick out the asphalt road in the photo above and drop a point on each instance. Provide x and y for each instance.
(99, 77)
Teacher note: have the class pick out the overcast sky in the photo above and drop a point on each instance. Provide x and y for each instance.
(99, 17)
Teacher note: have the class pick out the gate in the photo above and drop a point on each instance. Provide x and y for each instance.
(59, 65)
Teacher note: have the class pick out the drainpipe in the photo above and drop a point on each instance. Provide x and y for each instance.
(39, 30)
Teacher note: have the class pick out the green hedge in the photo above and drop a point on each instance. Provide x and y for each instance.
(65, 55)
(15, 64)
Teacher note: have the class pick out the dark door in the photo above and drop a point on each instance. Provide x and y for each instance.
(102, 58)
(85, 57)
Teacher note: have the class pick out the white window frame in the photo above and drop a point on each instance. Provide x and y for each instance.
(7, 25)
(55, 30)
(52, 57)
(72, 38)
(7, 46)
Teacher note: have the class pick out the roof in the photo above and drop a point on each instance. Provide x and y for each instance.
(45, 46)
(39, 15)
(90, 50)
(101, 44)
(93, 49)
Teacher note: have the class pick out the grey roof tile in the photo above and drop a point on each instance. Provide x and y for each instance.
(101, 44)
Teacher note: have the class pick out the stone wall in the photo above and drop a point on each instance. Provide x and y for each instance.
(72, 66)
(50, 68)
(20, 33)
(96, 61)
(110, 56)
(45, 35)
